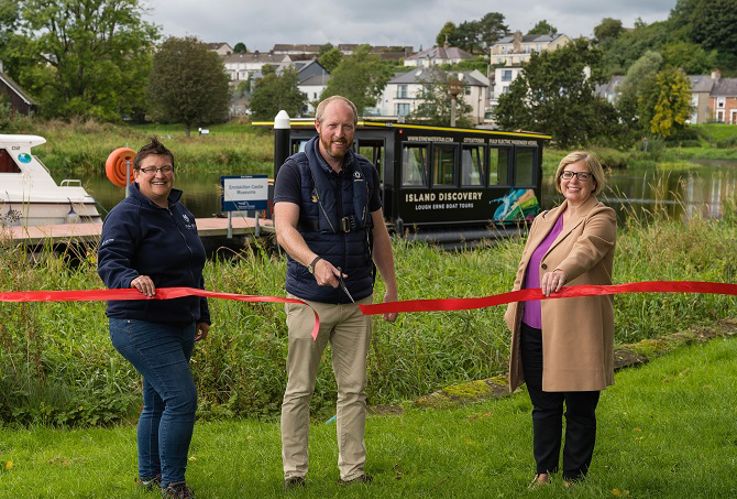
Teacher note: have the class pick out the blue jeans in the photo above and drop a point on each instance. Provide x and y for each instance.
(161, 353)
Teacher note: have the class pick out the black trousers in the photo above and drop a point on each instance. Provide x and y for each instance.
(547, 416)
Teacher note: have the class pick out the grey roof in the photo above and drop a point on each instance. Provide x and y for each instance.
(427, 75)
(725, 87)
(267, 58)
(530, 38)
(441, 53)
(316, 80)
(298, 47)
(701, 83)
(16, 88)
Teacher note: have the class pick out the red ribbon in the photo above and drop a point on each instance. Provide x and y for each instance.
(430, 305)
(133, 294)
(435, 305)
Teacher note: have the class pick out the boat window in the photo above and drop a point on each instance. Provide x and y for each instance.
(298, 145)
(373, 150)
(472, 165)
(7, 165)
(414, 165)
(524, 167)
(444, 165)
(498, 166)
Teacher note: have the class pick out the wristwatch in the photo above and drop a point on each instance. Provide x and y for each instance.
(311, 265)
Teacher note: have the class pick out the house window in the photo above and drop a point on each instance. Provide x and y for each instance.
(402, 109)
(720, 102)
(467, 90)
(402, 92)
(507, 75)
(720, 116)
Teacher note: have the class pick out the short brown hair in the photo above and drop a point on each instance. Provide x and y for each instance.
(322, 105)
(592, 162)
(154, 147)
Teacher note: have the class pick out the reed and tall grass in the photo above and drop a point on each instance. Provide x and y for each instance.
(82, 147)
(57, 365)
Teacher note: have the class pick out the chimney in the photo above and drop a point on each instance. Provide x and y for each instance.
(1, 67)
(517, 42)
(715, 74)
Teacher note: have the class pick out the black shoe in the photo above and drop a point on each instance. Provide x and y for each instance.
(149, 484)
(364, 479)
(294, 482)
(177, 491)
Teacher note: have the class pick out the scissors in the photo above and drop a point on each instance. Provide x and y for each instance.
(343, 286)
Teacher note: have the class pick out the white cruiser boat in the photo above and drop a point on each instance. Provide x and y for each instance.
(28, 194)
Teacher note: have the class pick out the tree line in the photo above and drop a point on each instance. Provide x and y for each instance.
(99, 59)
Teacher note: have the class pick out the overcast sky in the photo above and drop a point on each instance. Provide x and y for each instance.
(262, 23)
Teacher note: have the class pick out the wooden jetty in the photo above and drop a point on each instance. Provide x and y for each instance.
(90, 232)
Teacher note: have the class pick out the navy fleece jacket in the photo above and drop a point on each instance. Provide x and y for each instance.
(141, 238)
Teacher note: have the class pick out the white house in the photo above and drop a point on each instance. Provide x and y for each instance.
(242, 67)
(402, 94)
(511, 52)
(516, 49)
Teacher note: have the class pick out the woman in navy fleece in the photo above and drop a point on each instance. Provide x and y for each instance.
(150, 240)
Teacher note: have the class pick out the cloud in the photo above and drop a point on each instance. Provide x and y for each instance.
(380, 22)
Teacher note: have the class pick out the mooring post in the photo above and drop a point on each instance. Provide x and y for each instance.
(281, 139)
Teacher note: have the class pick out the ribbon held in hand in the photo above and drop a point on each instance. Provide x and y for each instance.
(133, 294)
(449, 304)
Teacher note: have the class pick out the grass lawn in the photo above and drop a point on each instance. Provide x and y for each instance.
(667, 429)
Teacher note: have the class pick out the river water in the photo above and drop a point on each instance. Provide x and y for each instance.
(704, 189)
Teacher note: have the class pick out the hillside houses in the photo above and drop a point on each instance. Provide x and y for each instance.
(402, 94)
(516, 49)
(437, 56)
(713, 98)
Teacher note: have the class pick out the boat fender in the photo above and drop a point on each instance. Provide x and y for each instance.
(116, 164)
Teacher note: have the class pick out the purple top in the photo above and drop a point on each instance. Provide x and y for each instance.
(531, 309)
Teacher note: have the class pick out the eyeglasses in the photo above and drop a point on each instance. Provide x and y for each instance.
(582, 176)
(152, 170)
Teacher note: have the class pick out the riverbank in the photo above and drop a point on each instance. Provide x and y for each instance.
(232, 148)
(59, 367)
(664, 430)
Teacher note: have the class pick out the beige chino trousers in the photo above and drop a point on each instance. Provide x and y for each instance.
(349, 333)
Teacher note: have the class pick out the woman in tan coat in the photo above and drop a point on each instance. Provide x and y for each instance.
(563, 348)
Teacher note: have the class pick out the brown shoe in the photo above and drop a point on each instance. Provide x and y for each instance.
(540, 480)
(364, 479)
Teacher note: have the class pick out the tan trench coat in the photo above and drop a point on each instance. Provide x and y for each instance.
(577, 333)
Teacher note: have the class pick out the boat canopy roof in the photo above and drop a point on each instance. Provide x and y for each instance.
(20, 140)
(301, 123)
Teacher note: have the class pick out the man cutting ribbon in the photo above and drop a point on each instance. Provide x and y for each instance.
(329, 220)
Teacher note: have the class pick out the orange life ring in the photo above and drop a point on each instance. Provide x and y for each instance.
(115, 165)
